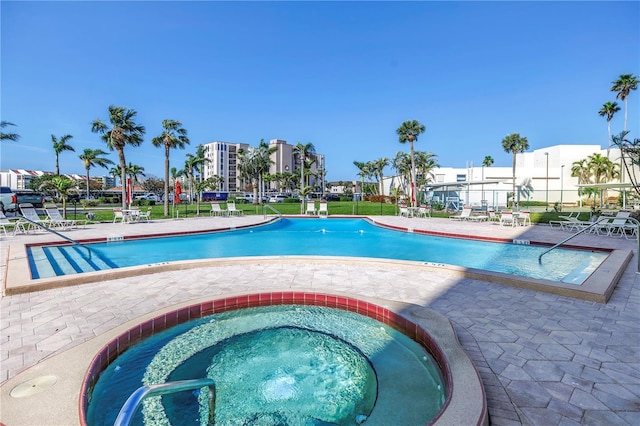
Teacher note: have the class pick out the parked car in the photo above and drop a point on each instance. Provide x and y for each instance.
(30, 196)
(148, 196)
(331, 197)
(8, 199)
(277, 198)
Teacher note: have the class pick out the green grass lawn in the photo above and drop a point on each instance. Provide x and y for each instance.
(104, 213)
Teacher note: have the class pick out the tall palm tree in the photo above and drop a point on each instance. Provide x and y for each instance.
(124, 131)
(93, 157)
(59, 146)
(8, 136)
(624, 85)
(609, 109)
(402, 163)
(409, 132)
(425, 163)
(173, 136)
(190, 165)
(303, 152)
(514, 143)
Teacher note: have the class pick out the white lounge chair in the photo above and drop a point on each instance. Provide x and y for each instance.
(29, 212)
(322, 209)
(216, 210)
(6, 224)
(311, 207)
(57, 220)
(524, 218)
(231, 208)
(464, 215)
(493, 217)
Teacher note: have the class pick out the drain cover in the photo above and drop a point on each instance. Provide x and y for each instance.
(34, 386)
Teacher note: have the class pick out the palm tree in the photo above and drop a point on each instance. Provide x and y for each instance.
(173, 136)
(364, 172)
(409, 132)
(124, 131)
(303, 151)
(93, 157)
(115, 172)
(631, 149)
(59, 146)
(425, 163)
(609, 109)
(487, 162)
(514, 143)
(402, 163)
(134, 170)
(264, 163)
(581, 170)
(377, 167)
(624, 85)
(8, 136)
(62, 185)
(190, 165)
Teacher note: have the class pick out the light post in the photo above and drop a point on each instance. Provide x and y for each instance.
(546, 207)
(561, 183)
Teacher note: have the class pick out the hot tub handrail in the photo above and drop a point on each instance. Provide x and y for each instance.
(267, 206)
(133, 402)
(53, 231)
(602, 219)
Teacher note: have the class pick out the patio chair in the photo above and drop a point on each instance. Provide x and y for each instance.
(524, 218)
(404, 211)
(311, 207)
(618, 225)
(118, 216)
(231, 208)
(57, 220)
(145, 216)
(216, 210)
(507, 219)
(493, 217)
(322, 209)
(424, 211)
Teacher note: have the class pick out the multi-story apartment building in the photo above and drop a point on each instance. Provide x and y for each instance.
(223, 162)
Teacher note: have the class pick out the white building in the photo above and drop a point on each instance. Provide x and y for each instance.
(543, 175)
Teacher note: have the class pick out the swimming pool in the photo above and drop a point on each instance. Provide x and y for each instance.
(320, 237)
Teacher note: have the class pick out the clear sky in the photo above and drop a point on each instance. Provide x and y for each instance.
(341, 75)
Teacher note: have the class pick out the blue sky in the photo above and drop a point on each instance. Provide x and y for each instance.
(341, 75)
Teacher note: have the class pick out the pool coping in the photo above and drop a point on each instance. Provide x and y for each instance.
(598, 287)
(62, 403)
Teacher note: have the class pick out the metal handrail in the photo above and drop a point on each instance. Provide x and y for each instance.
(268, 206)
(602, 219)
(135, 399)
(64, 237)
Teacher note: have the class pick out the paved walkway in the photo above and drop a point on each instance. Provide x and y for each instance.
(544, 359)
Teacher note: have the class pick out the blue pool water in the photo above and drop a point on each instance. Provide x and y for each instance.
(277, 365)
(321, 237)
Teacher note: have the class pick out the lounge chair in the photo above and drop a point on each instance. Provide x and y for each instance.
(57, 220)
(464, 215)
(216, 210)
(493, 217)
(322, 209)
(618, 225)
(311, 208)
(231, 208)
(7, 224)
(33, 220)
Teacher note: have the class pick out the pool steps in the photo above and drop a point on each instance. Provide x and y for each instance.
(51, 261)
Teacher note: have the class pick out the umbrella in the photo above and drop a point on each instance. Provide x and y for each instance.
(129, 189)
(178, 191)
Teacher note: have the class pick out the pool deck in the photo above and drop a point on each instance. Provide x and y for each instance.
(545, 359)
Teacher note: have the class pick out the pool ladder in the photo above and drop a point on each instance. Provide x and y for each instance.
(133, 402)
